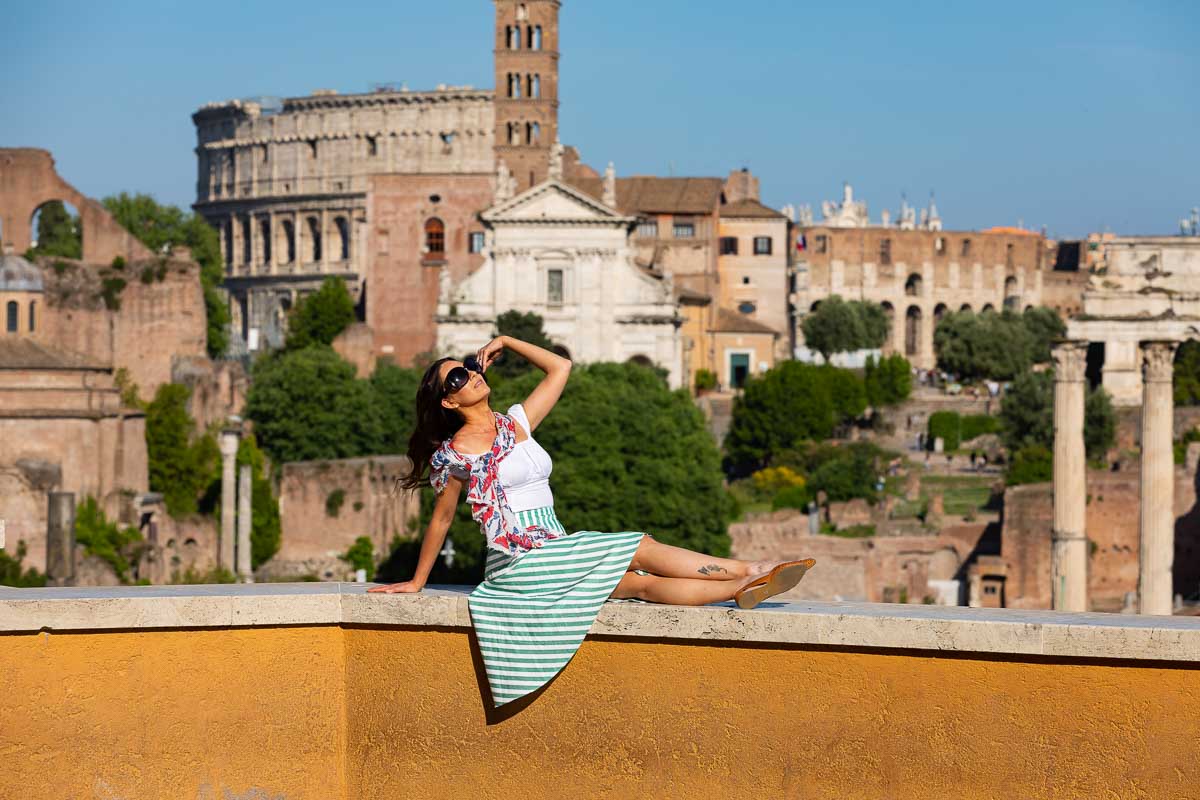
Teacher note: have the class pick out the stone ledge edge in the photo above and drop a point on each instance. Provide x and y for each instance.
(851, 625)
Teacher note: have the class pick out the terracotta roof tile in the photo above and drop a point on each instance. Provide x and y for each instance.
(750, 208)
(732, 322)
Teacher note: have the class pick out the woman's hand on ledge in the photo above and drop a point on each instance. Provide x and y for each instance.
(407, 587)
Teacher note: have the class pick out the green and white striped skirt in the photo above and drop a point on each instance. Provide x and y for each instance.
(532, 611)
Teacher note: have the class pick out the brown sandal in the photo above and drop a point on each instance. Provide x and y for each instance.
(778, 580)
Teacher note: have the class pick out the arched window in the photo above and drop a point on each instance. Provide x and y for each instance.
(535, 37)
(435, 238)
(912, 287)
(247, 254)
(939, 311)
(514, 37)
(32, 312)
(314, 239)
(514, 133)
(514, 85)
(966, 307)
(535, 87)
(533, 132)
(11, 317)
(287, 241)
(912, 331)
(343, 231)
(265, 225)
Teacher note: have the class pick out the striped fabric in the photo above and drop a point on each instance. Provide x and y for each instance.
(532, 611)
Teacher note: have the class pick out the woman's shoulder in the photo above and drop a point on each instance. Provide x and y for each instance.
(517, 412)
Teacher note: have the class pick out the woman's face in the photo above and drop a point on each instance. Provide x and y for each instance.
(475, 391)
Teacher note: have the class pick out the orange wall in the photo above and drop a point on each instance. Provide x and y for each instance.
(364, 711)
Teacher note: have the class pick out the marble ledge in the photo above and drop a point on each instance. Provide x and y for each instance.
(828, 624)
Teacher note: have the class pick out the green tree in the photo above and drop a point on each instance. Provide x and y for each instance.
(1032, 464)
(1027, 416)
(888, 381)
(182, 465)
(835, 327)
(161, 227)
(395, 390)
(787, 406)
(629, 454)
(307, 404)
(838, 326)
(526, 327)
(58, 232)
(1044, 326)
(361, 555)
(265, 528)
(320, 317)
(1187, 374)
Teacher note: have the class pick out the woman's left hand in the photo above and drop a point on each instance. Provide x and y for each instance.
(490, 352)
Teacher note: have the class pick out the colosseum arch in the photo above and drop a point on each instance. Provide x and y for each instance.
(939, 311)
(61, 220)
(341, 227)
(313, 254)
(912, 331)
(285, 246)
(912, 286)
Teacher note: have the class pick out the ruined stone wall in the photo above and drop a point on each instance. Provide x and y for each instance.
(1113, 508)
(313, 537)
(875, 569)
(28, 179)
(218, 388)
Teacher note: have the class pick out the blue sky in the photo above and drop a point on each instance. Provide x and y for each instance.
(1077, 116)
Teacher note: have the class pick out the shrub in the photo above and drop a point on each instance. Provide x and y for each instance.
(320, 317)
(12, 574)
(772, 479)
(706, 379)
(888, 381)
(973, 425)
(104, 539)
(791, 497)
(333, 503)
(948, 426)
(361, 555)
(1031, 464)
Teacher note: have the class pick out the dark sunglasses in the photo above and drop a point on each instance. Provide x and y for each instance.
(458, 377)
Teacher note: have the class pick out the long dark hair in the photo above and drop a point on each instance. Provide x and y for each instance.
(435, 424)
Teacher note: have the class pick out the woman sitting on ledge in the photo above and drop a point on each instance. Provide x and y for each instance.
(543, 586)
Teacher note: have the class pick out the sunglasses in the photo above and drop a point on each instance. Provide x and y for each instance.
(459, 377)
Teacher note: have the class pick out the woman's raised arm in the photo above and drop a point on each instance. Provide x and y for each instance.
(431, 545)
(546, 393)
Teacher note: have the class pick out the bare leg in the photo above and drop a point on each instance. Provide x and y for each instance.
(676, 562)
(677, 591)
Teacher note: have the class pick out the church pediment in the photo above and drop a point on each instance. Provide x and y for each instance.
(553, 202)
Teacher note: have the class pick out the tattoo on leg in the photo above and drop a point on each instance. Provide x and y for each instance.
(711, 569)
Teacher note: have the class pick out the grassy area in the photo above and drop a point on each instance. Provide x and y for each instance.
(961, 494)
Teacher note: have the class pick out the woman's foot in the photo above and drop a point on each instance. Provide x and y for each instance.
(781, 578)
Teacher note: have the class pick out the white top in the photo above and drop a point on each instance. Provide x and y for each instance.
(525, 472)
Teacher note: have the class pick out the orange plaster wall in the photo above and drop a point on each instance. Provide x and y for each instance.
(331, 713)
(188, 715)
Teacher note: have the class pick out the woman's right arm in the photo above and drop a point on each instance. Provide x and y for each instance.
(431, 545)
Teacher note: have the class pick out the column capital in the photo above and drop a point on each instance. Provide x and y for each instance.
(1158, 361)
(1070, 361)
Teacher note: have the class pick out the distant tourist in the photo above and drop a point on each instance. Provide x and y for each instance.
(540, 580)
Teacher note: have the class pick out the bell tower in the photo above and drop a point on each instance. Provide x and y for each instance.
(526, 58)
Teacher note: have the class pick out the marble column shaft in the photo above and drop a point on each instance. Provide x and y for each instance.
(229, 448)
(245, 517)
(1157, 542)
(1069, 556)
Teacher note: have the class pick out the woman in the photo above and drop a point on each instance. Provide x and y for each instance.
(542, 587)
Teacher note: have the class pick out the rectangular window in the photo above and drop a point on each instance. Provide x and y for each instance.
(684, 230)
(476, 243)
(554, 287)
(885, 251)
(648, 229)
(762, 245)
(821, 244)
(966, 247)
(729, 245)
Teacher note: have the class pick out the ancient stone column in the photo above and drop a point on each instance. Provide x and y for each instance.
(60, 539)
(229, 448)
(1069, 554)
(1157, 547)
(243, 525)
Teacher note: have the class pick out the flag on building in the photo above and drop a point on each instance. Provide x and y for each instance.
(801, 242)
